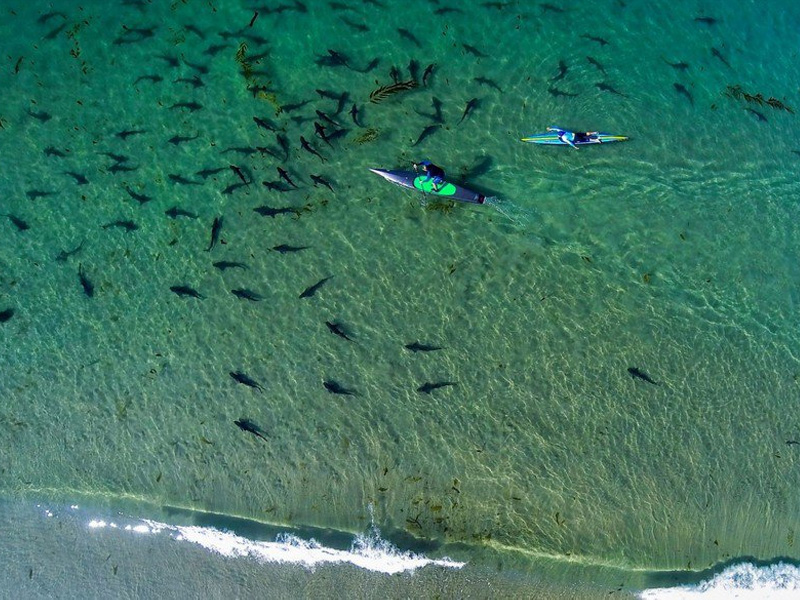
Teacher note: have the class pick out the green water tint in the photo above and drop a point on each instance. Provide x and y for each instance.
(674, 253)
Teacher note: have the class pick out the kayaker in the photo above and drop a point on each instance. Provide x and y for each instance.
(572, 138)
(434, 173)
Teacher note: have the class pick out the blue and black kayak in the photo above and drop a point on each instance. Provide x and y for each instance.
(551, 138)
(414, 181)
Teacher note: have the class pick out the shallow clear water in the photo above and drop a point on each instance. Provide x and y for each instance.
(674, 253)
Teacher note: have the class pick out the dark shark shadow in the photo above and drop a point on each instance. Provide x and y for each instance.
(481, 166)
(466, 174)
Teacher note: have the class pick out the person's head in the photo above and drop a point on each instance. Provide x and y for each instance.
(425, 164)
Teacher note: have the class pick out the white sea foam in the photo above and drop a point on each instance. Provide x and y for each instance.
(744, 581)
(370, 551)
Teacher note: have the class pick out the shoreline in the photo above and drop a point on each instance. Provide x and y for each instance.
(116, 551)
(149, 542)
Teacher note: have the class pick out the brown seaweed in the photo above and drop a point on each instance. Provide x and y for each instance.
(383, 92)
(443, 207)
(241, 58)
(775, 103)
(370, 135)
(736, 92)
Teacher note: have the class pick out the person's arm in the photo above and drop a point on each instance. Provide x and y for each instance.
(562, 135)
(427, 173)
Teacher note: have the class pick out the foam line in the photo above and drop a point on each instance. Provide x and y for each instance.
(368, 551)
(744, 581)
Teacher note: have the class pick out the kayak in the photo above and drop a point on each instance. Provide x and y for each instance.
(551, 138)
(413, 181)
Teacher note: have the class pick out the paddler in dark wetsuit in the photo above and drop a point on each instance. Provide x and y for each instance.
(434, 173)
(573, 138)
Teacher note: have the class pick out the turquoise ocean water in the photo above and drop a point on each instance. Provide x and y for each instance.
(546, 469)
